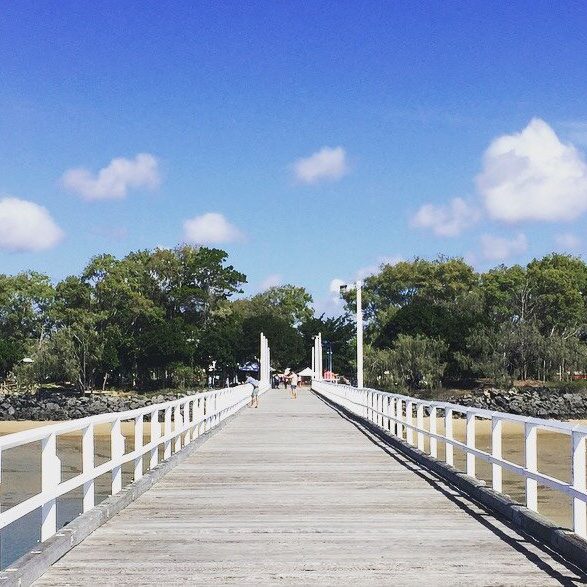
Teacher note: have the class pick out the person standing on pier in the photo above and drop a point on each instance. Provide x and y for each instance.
(255, 393)
(293, 384)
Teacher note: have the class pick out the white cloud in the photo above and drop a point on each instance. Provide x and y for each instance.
(448, 220)
(568, 241)
(26, 226)
(210, 228)
(334, 287)
(331, 304)
(116, 179)
(327, 164)
(272, 280)
(498, 248)
(532, 175)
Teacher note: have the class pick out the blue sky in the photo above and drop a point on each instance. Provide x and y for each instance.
(323, 137)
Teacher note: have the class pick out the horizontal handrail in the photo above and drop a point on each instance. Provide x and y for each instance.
(395, 414)
(544, 423)
(184, 420)
(66, 427)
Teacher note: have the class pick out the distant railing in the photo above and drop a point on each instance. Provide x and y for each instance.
(395, 414)
(183, 420)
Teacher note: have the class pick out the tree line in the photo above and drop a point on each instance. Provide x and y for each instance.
(163, 318)
(438, 321)
(153, 319)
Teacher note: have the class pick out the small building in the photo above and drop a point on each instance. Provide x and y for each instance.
(306, 375)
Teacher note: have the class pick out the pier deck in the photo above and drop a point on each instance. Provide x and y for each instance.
(294, 493)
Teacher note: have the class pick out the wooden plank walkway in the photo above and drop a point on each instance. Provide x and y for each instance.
(293, 493)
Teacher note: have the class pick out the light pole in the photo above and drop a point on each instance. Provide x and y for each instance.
(317, 357)
(328, 345)
(343, 289)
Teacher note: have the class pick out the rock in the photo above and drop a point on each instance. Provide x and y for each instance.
(543, 402)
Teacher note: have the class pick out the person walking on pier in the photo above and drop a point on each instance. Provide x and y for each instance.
(255, 393)
(293, 384)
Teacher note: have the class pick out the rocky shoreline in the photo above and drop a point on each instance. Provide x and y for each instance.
(539, 402)
(62, 406)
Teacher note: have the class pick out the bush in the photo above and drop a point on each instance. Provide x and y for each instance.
(413, 362)
(183, 376)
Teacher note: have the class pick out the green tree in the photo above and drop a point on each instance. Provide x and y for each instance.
(290, 301)
(340, 334)
(414, 362)
(287, 346)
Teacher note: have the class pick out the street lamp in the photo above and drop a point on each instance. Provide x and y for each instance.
(328, 345)
(343, 289)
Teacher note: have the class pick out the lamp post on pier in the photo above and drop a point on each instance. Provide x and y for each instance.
(328, 346)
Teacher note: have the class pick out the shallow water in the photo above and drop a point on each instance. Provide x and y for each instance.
(21, 479)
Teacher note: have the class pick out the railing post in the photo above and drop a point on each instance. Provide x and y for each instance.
(201, 416)
(139, 432)
(88, 467)
(167, 432)
(117, 451)
(388, 412)
(448, 447)
(155, 435)
(187, 435)
(205, 415)
(392, 411)
(579, 483)
(409, 422)
(470, 443)
(177, 420)
(496, 470)
(531, 460)
(50, 478)
(420, 424)
(380, 409)
(376, 413)
(432, 427)
(399, 412)
(195, 418)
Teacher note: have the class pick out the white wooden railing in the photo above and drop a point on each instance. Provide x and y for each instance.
(183, 421)
(403, 416)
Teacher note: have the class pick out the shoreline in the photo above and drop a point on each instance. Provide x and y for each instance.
(54, 407)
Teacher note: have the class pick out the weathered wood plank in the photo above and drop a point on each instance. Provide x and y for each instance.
(292, 493)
